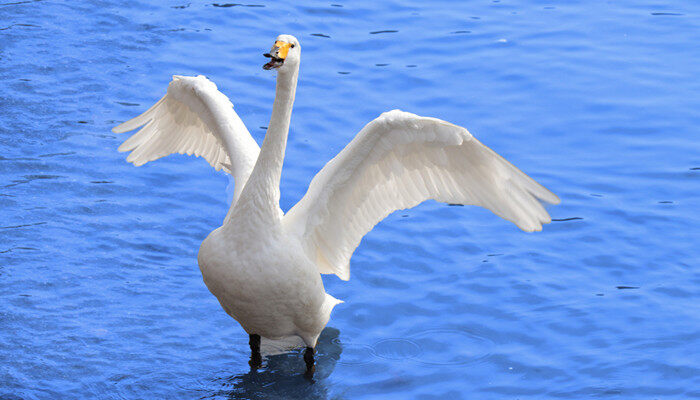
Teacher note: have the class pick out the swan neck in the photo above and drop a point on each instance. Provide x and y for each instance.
(261, 194)
(275, 142)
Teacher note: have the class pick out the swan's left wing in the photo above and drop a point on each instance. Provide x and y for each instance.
(396, 162)
(194, 117)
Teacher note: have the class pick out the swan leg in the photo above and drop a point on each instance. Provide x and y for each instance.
(255, 357)
(309, 360)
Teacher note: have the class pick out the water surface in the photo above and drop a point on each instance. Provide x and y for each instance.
(100, 293)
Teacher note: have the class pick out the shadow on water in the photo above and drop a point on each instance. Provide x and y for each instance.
(282, 376)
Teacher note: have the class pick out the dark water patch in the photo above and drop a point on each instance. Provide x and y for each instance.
(667, 13)
(281, 376)
(665, 202)
(460, 32)
(65, 153)
(384, 31)
(565, 219)
(19, 2)
(548, 8)
(337, 5)
(124, 103)
(16, 159)
(596, 195)
(695, 169)
(411, 66)
(13, 25)
(263, 127)
(30, 178)
(101, 181)
(627, 287)
(22, 226)
(455, 205)
(227, 5)
(343, 72)
(18, 248)
(320, 35)
(380, 65)
(181, 7)
(82, 122)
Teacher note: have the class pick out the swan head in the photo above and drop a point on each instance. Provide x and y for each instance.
(284, 54)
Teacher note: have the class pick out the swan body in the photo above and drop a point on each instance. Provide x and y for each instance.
(263, 265)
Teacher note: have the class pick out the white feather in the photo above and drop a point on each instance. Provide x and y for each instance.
(395, 162)
(193, 118)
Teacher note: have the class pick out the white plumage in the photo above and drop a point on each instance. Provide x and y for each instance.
(193, 118)
(398, 161)
(262, 265)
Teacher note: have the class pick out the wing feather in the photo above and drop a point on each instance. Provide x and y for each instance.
(396, 162)
(194, 117)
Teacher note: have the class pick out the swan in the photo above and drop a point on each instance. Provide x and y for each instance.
(265, 266)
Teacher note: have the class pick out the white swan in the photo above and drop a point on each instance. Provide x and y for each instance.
(263, 265)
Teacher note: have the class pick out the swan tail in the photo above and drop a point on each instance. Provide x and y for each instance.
(328, 306)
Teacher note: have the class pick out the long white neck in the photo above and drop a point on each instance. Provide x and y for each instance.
(261, 194)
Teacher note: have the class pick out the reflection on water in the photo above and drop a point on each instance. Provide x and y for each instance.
(282, 376)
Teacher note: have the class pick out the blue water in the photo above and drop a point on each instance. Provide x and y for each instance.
(100, 293)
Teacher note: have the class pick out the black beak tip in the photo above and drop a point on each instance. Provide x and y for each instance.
(268, 55)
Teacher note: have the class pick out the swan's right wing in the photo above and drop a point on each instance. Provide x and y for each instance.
(194, 117)
(397, 161)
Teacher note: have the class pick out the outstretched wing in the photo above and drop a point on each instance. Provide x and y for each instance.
(193, 118)
(396, 162)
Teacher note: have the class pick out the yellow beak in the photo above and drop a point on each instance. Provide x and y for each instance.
(282, 49)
